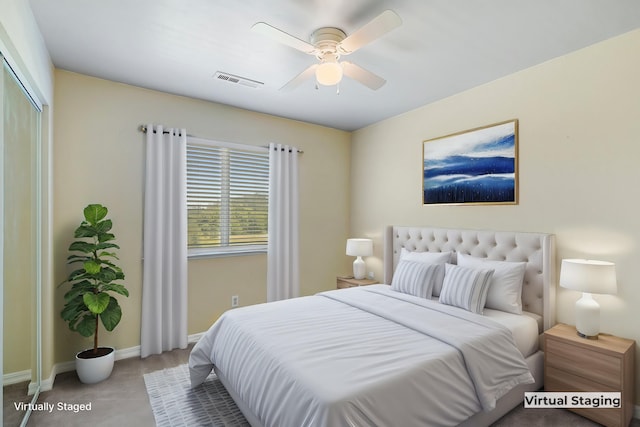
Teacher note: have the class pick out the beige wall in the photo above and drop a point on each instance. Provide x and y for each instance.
(99, 159)
(579, 127)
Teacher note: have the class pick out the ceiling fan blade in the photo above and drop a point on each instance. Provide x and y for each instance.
(377, 27)
(282, 37)
(300, 78)
(367, 78)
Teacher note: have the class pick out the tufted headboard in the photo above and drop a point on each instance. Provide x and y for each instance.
(536, 249)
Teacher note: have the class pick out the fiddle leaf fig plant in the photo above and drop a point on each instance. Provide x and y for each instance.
(90, 298)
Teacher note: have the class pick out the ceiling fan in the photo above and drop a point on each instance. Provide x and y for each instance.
(328, 44)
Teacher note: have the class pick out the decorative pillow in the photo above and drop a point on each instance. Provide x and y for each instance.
(416, 278)
(465, 287)
(429, 258)
(505, 292)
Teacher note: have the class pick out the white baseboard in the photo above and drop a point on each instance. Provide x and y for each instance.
(58, 368)
(33, 387)
(16, 377)
(125, 353)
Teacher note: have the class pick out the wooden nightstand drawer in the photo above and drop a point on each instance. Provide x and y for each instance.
(556, 380)
(601, 368)
(560, 380)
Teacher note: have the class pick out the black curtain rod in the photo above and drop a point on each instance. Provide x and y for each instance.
(143, 129)
(282, 149)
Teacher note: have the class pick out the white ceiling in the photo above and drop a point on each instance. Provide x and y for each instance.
(442, 47)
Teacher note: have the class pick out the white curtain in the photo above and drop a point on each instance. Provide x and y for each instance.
(283, 279)
(164, 283)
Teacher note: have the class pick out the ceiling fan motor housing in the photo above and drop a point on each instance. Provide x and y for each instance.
(326, 39)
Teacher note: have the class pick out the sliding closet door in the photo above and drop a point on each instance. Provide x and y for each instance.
(20, 254)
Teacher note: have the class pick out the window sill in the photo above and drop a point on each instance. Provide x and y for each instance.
(208, 253)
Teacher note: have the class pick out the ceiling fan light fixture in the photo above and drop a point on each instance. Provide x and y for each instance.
(329, 72)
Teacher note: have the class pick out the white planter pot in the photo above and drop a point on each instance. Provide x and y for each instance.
(92, 370)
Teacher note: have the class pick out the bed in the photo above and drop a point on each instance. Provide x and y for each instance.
(412, 353)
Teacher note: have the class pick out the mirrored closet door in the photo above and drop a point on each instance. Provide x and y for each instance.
(19, 140)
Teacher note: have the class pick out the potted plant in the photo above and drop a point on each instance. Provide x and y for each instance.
(90, 298)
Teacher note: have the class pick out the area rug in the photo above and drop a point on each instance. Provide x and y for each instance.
(176, 404)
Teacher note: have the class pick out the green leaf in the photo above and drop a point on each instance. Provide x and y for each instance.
(72, 309)
(86, 326)
(78, 258)
(106, 275)
(85, 231)
(97, 303)
(92, 267)
(79, 289)
(105, 237)
(80, 246)
(103, 226)
(95, 213)
(77, 274)
(108, 263)
(112, 315)
(101, 246)
(108, 254)
(117, 288)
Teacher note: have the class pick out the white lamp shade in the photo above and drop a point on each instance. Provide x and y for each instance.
(594, 277)
(359, 247)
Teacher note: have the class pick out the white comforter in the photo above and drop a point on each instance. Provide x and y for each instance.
(360, 357)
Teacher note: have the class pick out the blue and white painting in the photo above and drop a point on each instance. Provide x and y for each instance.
(476, 166)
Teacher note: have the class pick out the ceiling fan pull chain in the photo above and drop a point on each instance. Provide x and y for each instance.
(338, 89)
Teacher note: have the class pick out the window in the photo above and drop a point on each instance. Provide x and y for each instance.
(227, 197)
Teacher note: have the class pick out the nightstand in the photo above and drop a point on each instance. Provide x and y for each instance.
(576, 364)
(350, 282)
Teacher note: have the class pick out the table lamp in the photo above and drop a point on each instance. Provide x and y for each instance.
(359, 248)
(588, 277)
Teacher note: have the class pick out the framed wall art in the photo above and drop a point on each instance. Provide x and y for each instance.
(476, 166)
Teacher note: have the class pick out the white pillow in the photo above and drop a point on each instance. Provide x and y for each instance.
(429, 258)
(505, 292)
(416, 278)
(466, 288)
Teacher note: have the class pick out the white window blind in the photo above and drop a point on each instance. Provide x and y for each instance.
(227, 197)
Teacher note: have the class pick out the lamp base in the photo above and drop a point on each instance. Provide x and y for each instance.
(587, 337)
(587, 317)
(359, 268)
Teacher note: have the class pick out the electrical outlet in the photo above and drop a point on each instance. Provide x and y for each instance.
(234, 301)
